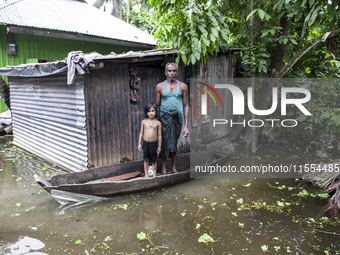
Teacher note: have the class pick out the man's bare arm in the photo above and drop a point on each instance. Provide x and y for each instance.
(158, 96)
(185, 100)
(159, 138)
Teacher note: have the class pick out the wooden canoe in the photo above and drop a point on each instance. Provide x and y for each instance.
(86, 182)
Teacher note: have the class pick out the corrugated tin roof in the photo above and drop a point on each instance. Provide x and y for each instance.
(137, 54)
(60, 66)
(70, 16)
(49, 68)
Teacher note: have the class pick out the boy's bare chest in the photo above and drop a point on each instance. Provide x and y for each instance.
(150, 125)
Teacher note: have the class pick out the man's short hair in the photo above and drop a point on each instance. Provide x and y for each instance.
(170, 64)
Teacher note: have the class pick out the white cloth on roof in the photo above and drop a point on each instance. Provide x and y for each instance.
(77, 62)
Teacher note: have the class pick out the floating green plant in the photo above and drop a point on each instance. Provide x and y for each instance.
(205, 238)
(79, 242)
(29, 209)
(264, 248)
(304, 193)
(108, 238)
(239, 201)
(141, 236)
(277, 248)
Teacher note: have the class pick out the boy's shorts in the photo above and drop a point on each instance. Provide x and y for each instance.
(150, 151)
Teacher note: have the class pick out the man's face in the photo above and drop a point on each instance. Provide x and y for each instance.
(171, 73)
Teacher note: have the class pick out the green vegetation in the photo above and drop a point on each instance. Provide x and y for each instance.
(201, 26)
(142, 18)
(141, 236)
(319, 132)
(206, 239)
(277, 39)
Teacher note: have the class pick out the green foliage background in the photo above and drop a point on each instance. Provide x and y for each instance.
(319, 132)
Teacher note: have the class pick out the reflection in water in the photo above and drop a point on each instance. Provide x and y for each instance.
(25, 245)
(69, 200)
(150, 219)
(173, 218)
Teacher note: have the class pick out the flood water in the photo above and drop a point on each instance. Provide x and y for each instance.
(237, 216)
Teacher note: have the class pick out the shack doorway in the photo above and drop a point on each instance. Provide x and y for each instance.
(108, 115)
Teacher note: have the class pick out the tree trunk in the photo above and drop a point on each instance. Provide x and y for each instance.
(117, 9)
(127, 10)
(280, 49)
(263, 99)
(331, 49)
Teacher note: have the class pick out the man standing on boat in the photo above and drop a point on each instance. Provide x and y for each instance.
(172, 99)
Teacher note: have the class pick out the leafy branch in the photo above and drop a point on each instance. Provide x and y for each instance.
(303, 51)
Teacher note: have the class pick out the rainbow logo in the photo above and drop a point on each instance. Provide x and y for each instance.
(213, 90)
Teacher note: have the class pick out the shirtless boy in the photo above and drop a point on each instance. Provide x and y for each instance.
(150, 131)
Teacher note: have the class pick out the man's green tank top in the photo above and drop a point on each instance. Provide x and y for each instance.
(172, 101)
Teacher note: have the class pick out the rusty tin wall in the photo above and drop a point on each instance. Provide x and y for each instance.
(49, 119)
(218, 70)
(108, 115)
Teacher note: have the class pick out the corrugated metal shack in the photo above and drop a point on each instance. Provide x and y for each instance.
(39, 31)
(96, 120)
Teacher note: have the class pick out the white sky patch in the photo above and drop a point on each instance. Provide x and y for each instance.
(106, 6)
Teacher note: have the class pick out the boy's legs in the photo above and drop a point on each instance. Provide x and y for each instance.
(150, 155)
(146, 166)
(153, 156)
(154, 167)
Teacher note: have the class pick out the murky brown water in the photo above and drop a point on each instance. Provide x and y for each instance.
(33, 222)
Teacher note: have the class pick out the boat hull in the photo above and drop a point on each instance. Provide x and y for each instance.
(82, 182)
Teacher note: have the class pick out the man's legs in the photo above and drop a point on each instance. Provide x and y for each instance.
(163, 166)
(173, 159)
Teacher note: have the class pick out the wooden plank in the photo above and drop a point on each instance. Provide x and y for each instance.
(117, 178)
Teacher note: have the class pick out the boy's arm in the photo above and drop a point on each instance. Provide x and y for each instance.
(159, 138)
(141, 136)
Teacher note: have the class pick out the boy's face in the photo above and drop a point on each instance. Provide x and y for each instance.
(152, 113)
